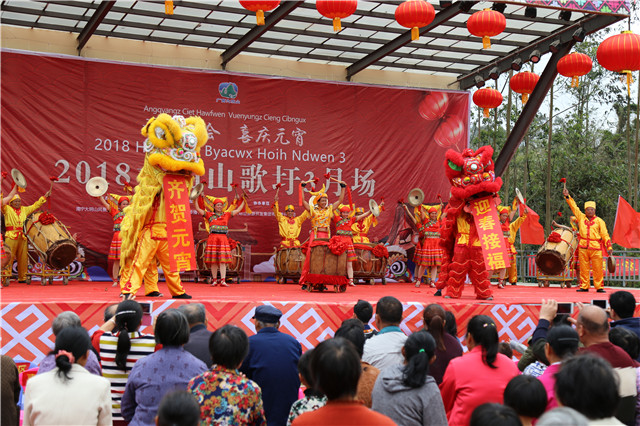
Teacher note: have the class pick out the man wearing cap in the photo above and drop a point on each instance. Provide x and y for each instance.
(15, 215)
(272, 363)
(288, 224)
(594, 238)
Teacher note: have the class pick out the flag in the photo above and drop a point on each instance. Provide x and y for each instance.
(626, 230)
(531, 232)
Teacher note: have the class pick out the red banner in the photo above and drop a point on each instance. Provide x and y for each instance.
(76, 118)
(626, 229)
(494, 249)
(179, 231)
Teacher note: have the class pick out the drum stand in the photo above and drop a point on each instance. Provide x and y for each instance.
(37, 268)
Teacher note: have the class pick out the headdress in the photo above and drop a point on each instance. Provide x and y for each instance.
(590, 204)
(289, 207)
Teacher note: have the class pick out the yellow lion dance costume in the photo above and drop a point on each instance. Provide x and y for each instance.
(172, 146)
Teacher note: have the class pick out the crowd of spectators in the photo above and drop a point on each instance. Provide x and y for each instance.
(580, 370)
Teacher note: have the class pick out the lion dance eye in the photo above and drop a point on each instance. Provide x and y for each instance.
(474, 167)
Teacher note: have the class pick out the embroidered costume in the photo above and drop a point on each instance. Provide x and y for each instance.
(428, 252)
(289, 228)
(218, 249)
(116, 242)
(343, 233)
(360, 228)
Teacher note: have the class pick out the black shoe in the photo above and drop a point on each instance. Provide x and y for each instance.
(22, 281)
(600, 290)
(513, 283)
(154, 294)
(304, 286)
(182, 296)
(582, 290)
(438, 293)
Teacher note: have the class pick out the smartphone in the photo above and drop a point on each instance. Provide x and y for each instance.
(600, 302)
(146, 313)
(565, 308)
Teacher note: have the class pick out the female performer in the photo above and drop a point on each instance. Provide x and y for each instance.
(116, 212)
(428, 253)
(344, 221)
(218, 252)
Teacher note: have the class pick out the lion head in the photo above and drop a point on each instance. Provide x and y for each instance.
(471, 173)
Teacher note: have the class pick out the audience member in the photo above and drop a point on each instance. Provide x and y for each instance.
(495, 415)
(9, 392)
(178, 408)
(364, 312)
(385, 348)
(313, 398)
(335, 368)
(225, 395)
(479, 376)
(562, 343)
(107, 326)
(121, 346)
(535, 351)
(562, 416)
(272, 363)
(625, 339)
(622, 307)
(450, 324)
(407, 393)
(505, 349)
(198, 344)
(447, 346)
(587, 384)
(68, 394)
(592, 326)
(352, 330)
(63, 320)
(527, 396)
(168, 369)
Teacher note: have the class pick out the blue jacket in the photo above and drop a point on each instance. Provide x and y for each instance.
(632, 324)
(272, 363)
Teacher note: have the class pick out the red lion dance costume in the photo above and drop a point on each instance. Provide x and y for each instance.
(471, 175)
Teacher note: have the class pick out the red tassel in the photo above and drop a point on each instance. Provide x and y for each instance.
(349, 197)
(300, 195)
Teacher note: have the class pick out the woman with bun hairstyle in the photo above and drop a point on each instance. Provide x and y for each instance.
(68, 394)
(478, 376)
(407, 393)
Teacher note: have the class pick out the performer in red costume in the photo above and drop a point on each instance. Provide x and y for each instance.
(116, 242)
(428, 254)
(344, 221)
(471, 175)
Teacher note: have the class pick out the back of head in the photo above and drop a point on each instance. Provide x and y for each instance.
(588, 384)
(594, 320)
(563, 341)
(389, 310)
(526, 395)
(419, 348)
(128, 319)
(110, 312)
(505, 349)
(363, 311)
(433, 317)
(484, 333)
(229, 346)
(336, 368)
(304, 369)
(178, 408)
(172, 328)
(194, 312)
(450, 326)
(72, 343)
(565, 416)
(626, 339)
(623, 303)
(63, 320)
(353, 330)
(494, 415)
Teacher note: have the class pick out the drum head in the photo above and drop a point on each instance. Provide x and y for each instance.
(550, 262)
(611, 264)
(61, 254)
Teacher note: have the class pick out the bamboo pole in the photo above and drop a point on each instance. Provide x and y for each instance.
(547, 219)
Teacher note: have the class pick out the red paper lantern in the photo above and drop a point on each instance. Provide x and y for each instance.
(486, 23)
(336, 10)
(621, 53)
(449, 132)
(574, 65)
(487, 98)
(415, 14)
(260, 7)
(524, 83)
(433, 105)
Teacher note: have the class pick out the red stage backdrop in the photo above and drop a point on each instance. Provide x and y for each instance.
(75, 119)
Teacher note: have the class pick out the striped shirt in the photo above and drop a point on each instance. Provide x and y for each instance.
(141, 346)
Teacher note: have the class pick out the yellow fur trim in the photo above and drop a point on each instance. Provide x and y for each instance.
(169, 164)
(199, 128)
(170, 131)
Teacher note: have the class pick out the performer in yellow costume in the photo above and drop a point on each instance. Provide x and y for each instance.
(289, 225)
(361, 228)
(594, 238)
(172, 146)
(510, 230)
(14, 216)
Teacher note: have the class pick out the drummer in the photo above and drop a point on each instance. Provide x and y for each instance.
(218, 252)
(15, 215)
(360, 228)
(344, 221)
(510, 230)
(594, 238)
(4, 256)
(116, 242)
(289, 225)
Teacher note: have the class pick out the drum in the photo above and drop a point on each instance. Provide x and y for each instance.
(552, 258)
(53, 241)
(6, 255)
(289, 261)
(368, 265)
(324, 262)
